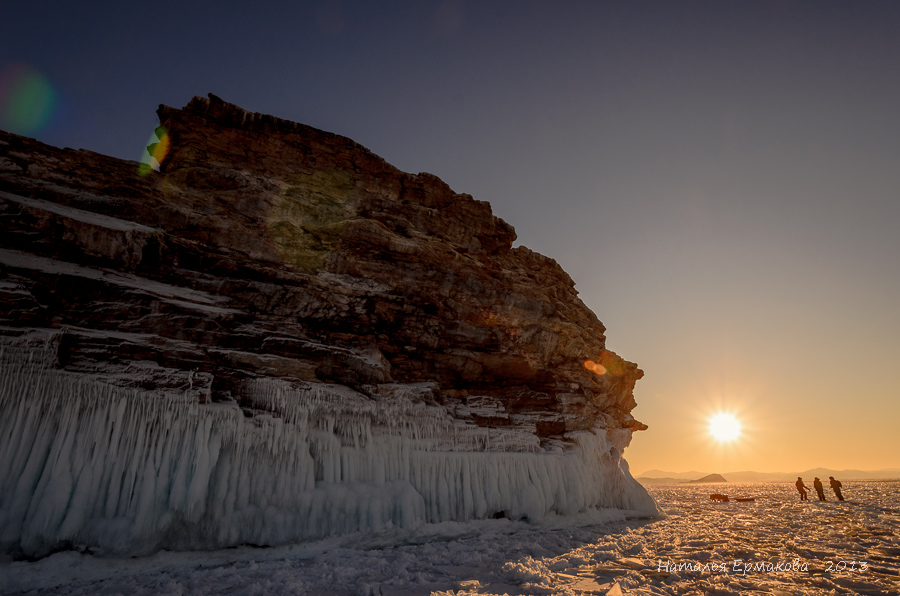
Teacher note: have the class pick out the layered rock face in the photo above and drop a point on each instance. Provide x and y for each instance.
(298, 309)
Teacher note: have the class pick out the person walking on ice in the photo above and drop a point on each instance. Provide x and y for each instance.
(801, 488)
(820, 490)
(836, 487)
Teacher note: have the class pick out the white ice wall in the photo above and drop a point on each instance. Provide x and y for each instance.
(89, 465)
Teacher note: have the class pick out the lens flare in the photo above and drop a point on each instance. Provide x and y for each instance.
(607, 362)
(156, 150)
(27, 100)
(595, 367)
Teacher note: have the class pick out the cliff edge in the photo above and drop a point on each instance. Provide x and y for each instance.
(279, 336)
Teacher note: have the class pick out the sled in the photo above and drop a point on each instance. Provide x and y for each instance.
(720, 498)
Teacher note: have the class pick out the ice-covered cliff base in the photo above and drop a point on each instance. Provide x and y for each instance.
(95, 466)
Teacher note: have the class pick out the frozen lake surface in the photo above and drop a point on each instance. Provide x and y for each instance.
(773, 545)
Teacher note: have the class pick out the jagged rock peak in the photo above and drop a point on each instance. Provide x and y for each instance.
(215, 108)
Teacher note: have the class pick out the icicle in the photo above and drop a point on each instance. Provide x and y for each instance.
(127, 471)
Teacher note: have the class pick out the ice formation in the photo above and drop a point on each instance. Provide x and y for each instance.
(110, 469)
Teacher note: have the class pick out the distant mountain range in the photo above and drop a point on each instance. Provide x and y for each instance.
(661, 477)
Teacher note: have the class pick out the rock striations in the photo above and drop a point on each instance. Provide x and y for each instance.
(279, 336)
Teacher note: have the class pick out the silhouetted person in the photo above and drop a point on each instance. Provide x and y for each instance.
(820, 490)
(801, 488)
(836, 487)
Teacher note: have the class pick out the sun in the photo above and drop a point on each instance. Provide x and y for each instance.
(724, 427)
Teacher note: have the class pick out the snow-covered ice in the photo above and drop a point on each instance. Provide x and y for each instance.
(774, 545)
(388, 494)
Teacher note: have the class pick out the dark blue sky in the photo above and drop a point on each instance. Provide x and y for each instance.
(721, 179)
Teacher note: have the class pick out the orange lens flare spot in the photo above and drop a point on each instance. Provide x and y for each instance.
(595, 367)
(607, 363)
(159, 150)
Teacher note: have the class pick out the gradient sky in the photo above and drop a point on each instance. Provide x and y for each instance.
(721, 179)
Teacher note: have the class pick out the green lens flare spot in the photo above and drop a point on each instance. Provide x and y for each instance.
(27, 101)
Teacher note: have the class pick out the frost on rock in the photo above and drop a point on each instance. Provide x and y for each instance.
(95, 466)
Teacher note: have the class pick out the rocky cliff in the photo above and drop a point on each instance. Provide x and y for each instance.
(275, 275)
